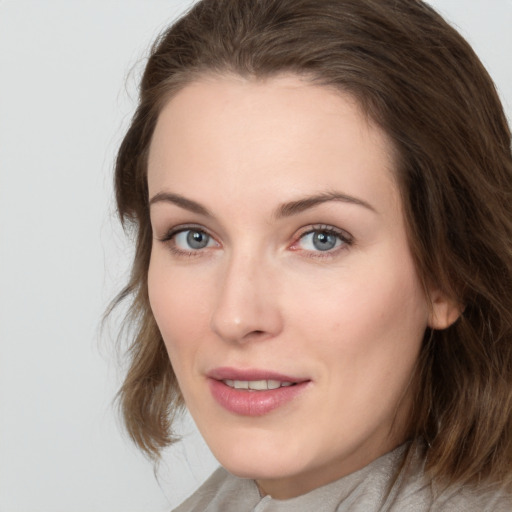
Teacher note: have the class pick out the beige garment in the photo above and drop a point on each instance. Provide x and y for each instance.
(366, 490)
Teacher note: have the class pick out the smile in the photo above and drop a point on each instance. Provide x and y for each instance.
(254, 392)
(256, 385)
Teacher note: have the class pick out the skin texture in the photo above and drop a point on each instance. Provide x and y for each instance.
(261, 295)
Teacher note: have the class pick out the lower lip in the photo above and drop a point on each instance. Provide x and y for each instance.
(253, 403)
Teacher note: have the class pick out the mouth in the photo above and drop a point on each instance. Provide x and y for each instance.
(256, 377)
(257, 385)
(254, 392)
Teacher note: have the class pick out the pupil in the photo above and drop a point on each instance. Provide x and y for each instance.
(197, 240)
(324, 241)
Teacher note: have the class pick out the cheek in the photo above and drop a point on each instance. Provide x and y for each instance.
(375, 310)
(365, 336)
(179, 307)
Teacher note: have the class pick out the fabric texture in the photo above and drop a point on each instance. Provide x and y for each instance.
(374, 488)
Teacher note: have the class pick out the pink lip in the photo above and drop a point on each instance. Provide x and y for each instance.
(252, 403)
(228, 373)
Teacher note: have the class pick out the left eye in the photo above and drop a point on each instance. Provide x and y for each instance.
(193, 239)
(320, 240)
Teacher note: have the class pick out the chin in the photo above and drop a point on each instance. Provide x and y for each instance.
(262, 469)
(257, 459)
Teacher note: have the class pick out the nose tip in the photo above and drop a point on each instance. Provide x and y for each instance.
(246, 308)
(239, 329)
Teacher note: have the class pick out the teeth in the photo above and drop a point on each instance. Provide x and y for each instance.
(256, 385)
(272, 384)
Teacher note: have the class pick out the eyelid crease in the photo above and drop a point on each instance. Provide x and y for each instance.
(171, 233)
(183, 227)
(344, 235)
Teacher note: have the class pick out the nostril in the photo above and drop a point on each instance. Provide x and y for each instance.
(255, 335)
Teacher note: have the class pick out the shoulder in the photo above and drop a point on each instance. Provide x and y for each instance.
(414, 490)
(205, 493)
(221, 492)
(453, 499)
(475, 499)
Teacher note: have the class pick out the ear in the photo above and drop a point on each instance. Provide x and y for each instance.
(445, 310)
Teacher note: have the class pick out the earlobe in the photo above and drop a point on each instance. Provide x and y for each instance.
(444, 311)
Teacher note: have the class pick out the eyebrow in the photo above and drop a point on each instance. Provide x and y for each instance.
(296, 207)
(285, 210)
(180, 201)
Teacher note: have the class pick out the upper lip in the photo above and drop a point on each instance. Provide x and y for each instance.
(251, 374)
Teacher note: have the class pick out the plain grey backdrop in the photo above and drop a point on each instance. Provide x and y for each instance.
(68, 76)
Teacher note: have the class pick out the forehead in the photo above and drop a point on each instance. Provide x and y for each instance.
(281, 134)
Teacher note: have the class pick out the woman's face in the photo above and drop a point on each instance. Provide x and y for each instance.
(280, 263)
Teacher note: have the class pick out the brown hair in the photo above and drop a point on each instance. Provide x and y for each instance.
(421, 82)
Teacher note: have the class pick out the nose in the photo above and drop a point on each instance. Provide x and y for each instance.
(247, 304)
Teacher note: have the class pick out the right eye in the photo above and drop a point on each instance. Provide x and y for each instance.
(191, 239)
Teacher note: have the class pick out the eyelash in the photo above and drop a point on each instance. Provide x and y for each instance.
(169, 239)
(345, 238)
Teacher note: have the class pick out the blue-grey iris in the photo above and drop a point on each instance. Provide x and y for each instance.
(324, 241)
(197, 239)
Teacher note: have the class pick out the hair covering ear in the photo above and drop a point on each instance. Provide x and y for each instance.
(445, 311)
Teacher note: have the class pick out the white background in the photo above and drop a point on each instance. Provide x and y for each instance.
(68, 73)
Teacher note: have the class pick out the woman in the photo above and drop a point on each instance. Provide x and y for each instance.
(321, 193)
